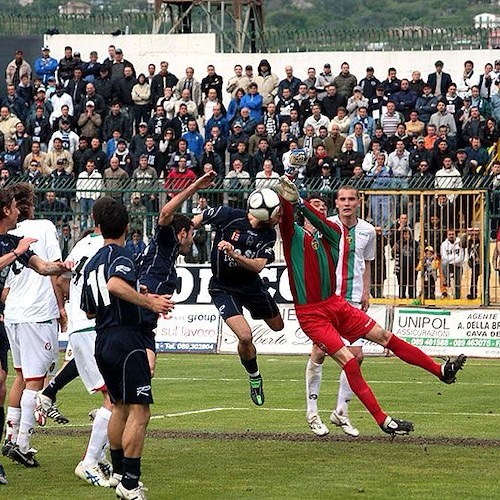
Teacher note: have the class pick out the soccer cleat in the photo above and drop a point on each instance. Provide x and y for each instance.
(3, 479)
(106, 468)
(56, 415)
(451, 367)
(115, 480)
(27, 459)
(395, 426)
(137, 493)
(317, 426)
(7, 447)
(42, 406)
(91, 474)
(345, 423)
(257, 390)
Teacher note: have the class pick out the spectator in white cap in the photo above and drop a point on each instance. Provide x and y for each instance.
(90, 121)
(356, 101)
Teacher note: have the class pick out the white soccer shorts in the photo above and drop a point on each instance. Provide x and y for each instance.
(68, 354)
(34, 347)
(83, 344)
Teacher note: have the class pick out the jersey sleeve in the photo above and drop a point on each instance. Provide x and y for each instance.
(216, 216)
(52, 243)
(330, 230)
(370, 247)
(287, 223)
(122, 266)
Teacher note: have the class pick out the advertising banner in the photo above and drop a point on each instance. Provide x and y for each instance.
(475, 332)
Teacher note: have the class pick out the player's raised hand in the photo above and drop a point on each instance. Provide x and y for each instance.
(24, 245)
(287, 189)
(206, 180)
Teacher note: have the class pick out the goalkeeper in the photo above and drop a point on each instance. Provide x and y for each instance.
(313, 251)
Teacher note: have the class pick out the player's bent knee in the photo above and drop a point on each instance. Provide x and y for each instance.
(379, 335)
(357, 352)
(342, 356)
(276, 324)
(317, 354)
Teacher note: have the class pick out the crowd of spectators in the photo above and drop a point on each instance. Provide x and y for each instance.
(80, 128)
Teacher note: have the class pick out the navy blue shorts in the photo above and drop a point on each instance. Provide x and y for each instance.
(4, 348)
(121, 357)
(230, 302)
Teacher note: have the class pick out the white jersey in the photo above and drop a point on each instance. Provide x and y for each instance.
(81, 254)
(351, 264)
(31, 297)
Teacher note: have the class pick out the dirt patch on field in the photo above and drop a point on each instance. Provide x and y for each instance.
(291, 437)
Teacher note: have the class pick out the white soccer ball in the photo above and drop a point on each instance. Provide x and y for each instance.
(263, 204)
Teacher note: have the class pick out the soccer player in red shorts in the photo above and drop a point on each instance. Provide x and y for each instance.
(324, 316)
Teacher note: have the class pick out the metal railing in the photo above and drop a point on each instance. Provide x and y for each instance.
(286, 39)
(472, 213)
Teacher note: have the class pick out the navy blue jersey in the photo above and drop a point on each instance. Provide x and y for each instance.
(232, 225)
(156, 265)
(110, 311)
(9, 242)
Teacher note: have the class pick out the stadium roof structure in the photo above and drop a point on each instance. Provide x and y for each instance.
(238, 22)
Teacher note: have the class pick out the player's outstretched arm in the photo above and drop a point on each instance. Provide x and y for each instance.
(156, 303)
(255, 265)
(22, 247)
(49, 268)
(169, 209)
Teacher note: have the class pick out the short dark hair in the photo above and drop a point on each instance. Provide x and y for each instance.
(181, 222)
(99, 206)
(114, 220)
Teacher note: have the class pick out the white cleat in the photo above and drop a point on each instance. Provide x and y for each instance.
(345, 423)
(317, 426)
(138, 493)
(92, 474)
(42, 406)
(115, 479)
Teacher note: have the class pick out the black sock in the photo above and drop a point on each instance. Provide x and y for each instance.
(117, 460)
(2, 421)
(250, 366)
(131, 472)
(63, 378)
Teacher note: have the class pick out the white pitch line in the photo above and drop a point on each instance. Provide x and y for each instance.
(300, 410)
(394, 382)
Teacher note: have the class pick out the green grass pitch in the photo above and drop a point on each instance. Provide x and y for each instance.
(207, 440)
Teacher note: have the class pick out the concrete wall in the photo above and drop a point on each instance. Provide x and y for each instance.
(198, 50)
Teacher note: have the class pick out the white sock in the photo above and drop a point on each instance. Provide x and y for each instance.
(12, 423)
(98, 437)
(345, 395)
(314, 373)
(27, 420)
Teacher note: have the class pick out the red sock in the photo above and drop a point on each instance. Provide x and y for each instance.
(413, 355)
(363, 391)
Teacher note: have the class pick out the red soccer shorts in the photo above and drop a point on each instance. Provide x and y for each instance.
(325, 322)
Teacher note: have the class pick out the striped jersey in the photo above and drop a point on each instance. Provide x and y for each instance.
(352, 259)
(311, 257)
